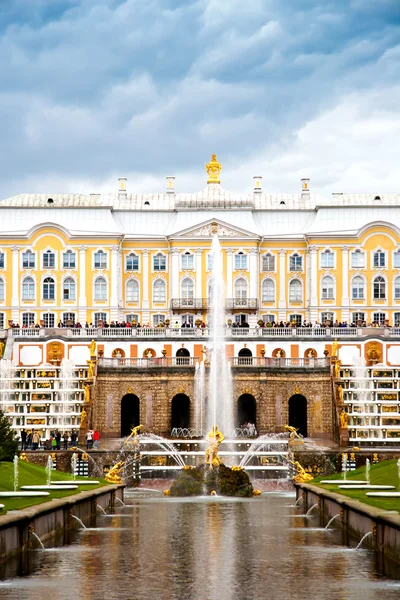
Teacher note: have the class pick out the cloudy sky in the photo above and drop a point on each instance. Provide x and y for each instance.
(91, 90)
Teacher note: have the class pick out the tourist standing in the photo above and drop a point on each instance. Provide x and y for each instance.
(23, 439)
(35, 440)
(89, 439)
(58, 440)
(96, 437)
(74, 437)
(65, 439)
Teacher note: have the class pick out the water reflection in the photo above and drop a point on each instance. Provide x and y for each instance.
(203, 549)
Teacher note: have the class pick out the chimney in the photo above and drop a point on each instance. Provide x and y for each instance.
(305, 188)
(257, 184)
(170, 185)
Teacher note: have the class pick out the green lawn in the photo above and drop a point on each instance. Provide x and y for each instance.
(383, 473)
(30, 474)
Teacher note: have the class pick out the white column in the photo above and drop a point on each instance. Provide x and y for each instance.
(345, 316)
(282, 286)
(253, 268)
(114, 312)
(175, 273)
(199, 273)
(15, 285)
(82, 302)
(313, 284)
(229, 273)
(145, 291)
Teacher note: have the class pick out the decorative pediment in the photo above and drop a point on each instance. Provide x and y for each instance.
(211, 228)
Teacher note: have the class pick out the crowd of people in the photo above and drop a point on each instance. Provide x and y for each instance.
(249, 428)
(31, 440)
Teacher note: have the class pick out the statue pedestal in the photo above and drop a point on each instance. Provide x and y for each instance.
(343, 437)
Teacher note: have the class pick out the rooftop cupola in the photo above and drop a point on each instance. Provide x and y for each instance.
(213, 169)
(170, 184)
(305, 188)
(122, 187)
(257, 179)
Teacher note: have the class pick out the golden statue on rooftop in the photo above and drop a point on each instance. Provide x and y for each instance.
(213, 169)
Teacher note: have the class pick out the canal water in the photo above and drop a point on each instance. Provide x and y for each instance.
(203, 549)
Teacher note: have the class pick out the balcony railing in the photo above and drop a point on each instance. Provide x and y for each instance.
(190, 361)
(189, 303)
(243, 303)
(252, 361)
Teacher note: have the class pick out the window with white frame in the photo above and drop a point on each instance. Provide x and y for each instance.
(69, 260)
(397, 288)
(327, 316)
(327, 259)
(188, 319)
(296, 320)
(69, 289)
(100, 289)
(157, 319)
(358, 288)
(28, 260)
(100, 260)
(379, 288)
(209, 262)
(357, 260)
(49, 289)
(268, 262)
(396, 318)
(269, 318)
(159, 290)
(396, 259)
(187, 288)
(132, 319)
(28, 289)
(327, 288)
(357, 317)
(295, 291)
(132, 291)
(159, 262)
(187, 261)
(28, 319)
(295, 262)
(379, 317)
(1, 260)
(240, 261)
(2, 289)
(49, 319)
(100, 318)
(240, 289)
(132, 262)
(379, 259)
(68, 317)
(268, 290)
(49, 259)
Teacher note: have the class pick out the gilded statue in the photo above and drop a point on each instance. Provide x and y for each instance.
(373, 352)
(206, 353)
(213, 169)
(132, 437)
(344, 419)
(215, 437)
(294, 437)
(87, 393)
(83, 419)
(335, 347)
(92, 348)
(90, 374)
(55, 352)
(302, 476)
(114, 474)
(340, 394)
(1, 349)
(336, 367)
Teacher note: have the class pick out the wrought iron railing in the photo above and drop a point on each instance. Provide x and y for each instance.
(190, 303)
(245, 303)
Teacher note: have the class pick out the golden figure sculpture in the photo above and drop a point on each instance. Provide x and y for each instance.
(83, 419)
(1, 349)
(344, 419)
(302, 476)
(340, 394)
(133, 435)
(294, 437)
(114, 474)
(87, 393)
(337, 368)
(213, 169)
(206, 353)
(90, 374)
(92, 348)
(23, 457)
(335, 347)
(215, 438)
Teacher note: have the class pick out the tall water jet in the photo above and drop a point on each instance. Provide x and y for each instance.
(219, 405)
(15, 473)
(367, 471)
(49, 468)
(199, 397)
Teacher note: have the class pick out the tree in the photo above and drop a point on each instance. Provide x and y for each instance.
(8, 441)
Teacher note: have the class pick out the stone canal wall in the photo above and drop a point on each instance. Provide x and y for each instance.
(356, 519)
(53, 519)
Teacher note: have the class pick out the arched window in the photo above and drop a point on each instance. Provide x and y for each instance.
(100, 289)
(1, 289)
(48, 289)
(132, 262)
(295, 291)
(327, 259)
(357, 259)
(240, 261)
(379, 258)
(69, 289)
(187, 288)
(159, 291)
(69, 260)
(268, 290)
(268, 262)
(295, 262)
(396, 259)
(327, 288)
(187, 261)
(49, 259)
(100, 260)
(241, 288)
(358, 288)
(379, 288)
(159, 262)
(132, 291)
(28, 260)
(28, 289)
(397, 288)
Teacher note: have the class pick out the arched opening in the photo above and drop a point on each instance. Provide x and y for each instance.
(298, 413)
(130, 413)
(149, 353)
(246, 411)
(180, 411)
(182, 356)
(245, 356)
(118, 353)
